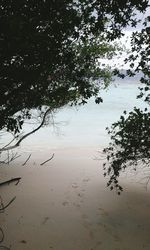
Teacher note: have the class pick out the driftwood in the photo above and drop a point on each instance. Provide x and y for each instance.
(26, 160)
(17, 180)
(47, 160)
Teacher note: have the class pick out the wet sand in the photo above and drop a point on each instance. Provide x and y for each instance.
(65, 205)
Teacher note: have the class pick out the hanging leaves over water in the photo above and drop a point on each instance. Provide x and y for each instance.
(50, 49)
(130, 136)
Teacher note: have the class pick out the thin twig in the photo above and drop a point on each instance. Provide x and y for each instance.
(47, 160)
(26, 160)
(8, 204)
(14, 158)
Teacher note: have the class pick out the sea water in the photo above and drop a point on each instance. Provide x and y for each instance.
(85, 125)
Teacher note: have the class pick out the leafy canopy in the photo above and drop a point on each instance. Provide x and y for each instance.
(49, 52)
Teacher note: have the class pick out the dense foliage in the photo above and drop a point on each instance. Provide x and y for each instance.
(49, 52)
(130, 136)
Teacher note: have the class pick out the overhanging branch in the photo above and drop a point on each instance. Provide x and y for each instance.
(6, 148)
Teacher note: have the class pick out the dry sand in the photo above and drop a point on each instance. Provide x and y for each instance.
(65, 205)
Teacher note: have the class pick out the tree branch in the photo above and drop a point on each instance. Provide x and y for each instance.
(28, 134)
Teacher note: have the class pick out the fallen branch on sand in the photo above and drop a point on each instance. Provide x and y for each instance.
(7, 205)
(26, 160)
(17, 179)
(47, 160)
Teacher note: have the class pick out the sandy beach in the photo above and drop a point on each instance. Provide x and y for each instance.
(65, 205)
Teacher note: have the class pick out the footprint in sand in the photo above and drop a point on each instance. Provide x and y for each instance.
(19, 220)
(76, 205)
(45, 220)
(103, 212)
(97, 245)
(86, 179)
(74, 185)
(23, 241)
(80, 195)
(65, 203)
(108, 230)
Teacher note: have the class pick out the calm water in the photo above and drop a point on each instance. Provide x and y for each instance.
(84, 126)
